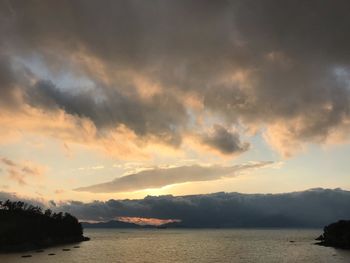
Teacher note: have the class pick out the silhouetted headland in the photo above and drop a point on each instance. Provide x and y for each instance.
(26, 227)
(336, 235)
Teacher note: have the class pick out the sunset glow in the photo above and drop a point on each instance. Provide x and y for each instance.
(118, 105)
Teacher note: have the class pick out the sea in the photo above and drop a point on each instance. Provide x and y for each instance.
(189, 245)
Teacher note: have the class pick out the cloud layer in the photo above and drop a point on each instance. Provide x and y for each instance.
(160, 69)
(159, 177)
(312, 208)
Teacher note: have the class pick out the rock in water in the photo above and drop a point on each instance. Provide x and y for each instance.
(336, 235)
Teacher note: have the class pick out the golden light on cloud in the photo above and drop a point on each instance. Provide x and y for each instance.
(147, 221)
(119, 142)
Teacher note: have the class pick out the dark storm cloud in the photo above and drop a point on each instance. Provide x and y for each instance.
(224, 141)
(298, 46)
(295, 55)
(7, 81)
(160, 177)
(312, 208)
(128, 33)
(302, 28)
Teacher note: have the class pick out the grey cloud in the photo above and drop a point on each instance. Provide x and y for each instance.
(298, 79)
(311, 208)
(160, 177)
(163, 116)
(15, 197)
(224, 141)
(291, 50)
(7, 79)
(132, 33)
(6, 195)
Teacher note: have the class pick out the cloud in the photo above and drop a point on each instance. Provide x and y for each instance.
(311, 208)
(268, 66)
(224, 141)
(16, 197)
(8, 162)
(20, 172)
(114, 109)
(59, 191)
(160, 177)
(120, 143)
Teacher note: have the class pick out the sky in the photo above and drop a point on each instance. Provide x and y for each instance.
(125, 99)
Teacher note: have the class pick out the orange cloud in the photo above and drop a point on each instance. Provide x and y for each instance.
(291, 137)
(119, 142)
(21, 172)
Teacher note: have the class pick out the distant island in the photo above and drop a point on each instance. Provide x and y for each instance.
(26, 227)
(111, 224)
(336, 235)
(122, 224)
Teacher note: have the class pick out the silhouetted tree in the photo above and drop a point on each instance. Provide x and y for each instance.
(21, 223)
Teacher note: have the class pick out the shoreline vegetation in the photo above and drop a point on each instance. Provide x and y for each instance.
(336, 235)
(26, 227)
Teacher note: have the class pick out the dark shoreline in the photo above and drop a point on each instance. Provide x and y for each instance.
(24, 247)
(336, 235)
(326, 244)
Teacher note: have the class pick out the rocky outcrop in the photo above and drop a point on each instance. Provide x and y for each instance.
(336, 235)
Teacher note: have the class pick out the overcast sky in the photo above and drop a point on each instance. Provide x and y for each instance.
(121, 99)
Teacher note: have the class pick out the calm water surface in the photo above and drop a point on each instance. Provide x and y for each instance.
(223, 245)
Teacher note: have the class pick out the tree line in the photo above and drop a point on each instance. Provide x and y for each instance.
(24, 223)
